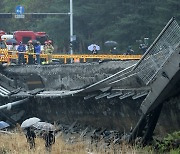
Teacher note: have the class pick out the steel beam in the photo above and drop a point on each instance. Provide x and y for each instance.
(112, 95)
(102, 95)
(128, 94)
(9, 105)
(140, 94)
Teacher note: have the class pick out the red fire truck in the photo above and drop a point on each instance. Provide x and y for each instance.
(25, 36)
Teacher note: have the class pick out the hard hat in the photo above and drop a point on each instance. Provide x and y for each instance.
(30, 41)
(50, 41)
(46, 42)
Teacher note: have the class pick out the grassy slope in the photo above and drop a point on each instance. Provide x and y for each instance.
(16, 144)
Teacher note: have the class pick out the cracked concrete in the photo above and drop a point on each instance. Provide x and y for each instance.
(69, 76)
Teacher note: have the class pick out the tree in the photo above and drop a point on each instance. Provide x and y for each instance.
(123, 21)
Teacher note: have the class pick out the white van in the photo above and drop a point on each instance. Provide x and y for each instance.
(5, 37)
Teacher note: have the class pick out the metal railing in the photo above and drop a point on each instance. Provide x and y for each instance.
(4, 55)
(158, 53)
(76, 57)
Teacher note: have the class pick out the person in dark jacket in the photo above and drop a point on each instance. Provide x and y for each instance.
(49, 138)
(130, 51)
(143, 47)
(37, 50)
(21, 51)
(30, 136)
(94, 51)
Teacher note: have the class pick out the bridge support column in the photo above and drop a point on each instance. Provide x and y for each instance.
(146, 125)
(152, 121)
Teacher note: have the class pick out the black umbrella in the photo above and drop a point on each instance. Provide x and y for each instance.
(110, 43)
(11, 41)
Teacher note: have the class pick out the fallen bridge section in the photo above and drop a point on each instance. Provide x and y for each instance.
(162, 77)
(157, 70)
(105, 94)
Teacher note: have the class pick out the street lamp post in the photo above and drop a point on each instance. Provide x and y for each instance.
(71, 28)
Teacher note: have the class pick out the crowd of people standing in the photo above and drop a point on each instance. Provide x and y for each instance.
(35, 49)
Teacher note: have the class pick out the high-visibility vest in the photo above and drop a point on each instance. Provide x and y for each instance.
(30, 49)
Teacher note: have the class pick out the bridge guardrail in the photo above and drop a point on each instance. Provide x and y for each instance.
(4, 55)
(77, 57)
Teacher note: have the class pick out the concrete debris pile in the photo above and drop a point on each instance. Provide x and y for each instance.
(76, 133)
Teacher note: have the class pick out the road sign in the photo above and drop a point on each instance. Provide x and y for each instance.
(73, 38)
(19, 16)
(19, 10)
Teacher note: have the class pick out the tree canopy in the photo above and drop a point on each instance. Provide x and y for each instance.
(125, 21)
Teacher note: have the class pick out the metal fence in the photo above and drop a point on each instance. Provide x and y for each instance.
(158, 53)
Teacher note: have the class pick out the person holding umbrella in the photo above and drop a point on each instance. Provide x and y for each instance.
(49, 138)
(30, 136)
(94, 51)
(112, 46)
(94, 48)
(48, 134)
(129, 50)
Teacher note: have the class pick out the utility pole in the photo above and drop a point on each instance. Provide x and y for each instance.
(71, 28)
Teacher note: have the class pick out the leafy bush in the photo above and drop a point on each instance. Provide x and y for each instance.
(171, 143)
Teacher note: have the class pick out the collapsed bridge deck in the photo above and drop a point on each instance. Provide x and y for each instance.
(148, 83)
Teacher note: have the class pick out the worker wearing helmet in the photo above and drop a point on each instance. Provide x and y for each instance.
(21, 51)
(30, 48)
(51, 48)
(48, 49)
(46, 46)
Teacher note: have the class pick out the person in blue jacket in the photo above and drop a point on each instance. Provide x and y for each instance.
(37, 50)
(21, 50)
